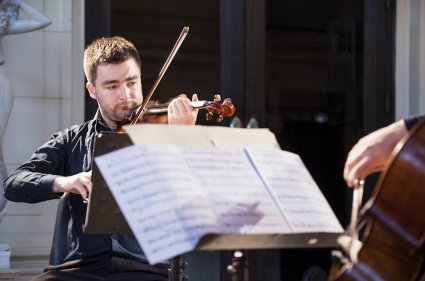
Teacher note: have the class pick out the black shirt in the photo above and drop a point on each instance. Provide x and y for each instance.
(67, 153)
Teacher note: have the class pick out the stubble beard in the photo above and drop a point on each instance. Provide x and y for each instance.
(121, 115)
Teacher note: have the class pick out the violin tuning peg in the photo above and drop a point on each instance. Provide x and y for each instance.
(220, 118)
(209, 116)
(217, 98)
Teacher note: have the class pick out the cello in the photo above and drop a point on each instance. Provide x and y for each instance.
(393, 242)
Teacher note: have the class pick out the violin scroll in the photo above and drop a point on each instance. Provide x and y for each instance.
(225, 109)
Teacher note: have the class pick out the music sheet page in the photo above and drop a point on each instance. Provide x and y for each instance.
(296, 193)
(160, 199)
(234, 190)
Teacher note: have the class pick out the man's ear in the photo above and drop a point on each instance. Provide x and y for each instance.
(91, 90)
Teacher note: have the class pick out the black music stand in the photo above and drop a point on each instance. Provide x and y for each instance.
(103, 214)
(104, 217)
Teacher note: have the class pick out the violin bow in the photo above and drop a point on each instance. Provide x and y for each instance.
(167, 63)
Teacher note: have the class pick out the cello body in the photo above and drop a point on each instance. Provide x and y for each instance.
(394, 239)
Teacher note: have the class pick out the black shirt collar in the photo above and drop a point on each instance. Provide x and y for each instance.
(100, 123)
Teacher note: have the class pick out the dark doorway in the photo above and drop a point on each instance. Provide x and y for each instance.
(314, 85)
(314, 76)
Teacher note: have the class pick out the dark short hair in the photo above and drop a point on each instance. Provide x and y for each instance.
(105, 50)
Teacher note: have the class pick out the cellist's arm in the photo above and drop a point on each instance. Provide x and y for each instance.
(371, 152)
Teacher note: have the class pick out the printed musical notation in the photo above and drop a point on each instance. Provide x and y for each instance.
(173, 195)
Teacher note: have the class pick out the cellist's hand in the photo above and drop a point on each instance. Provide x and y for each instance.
(350, 246)
(180, 111)
(371, 152)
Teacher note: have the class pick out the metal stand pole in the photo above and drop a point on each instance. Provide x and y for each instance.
(177, 269)
(239, 268)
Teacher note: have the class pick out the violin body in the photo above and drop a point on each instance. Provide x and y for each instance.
(394, 238)
(155, 113)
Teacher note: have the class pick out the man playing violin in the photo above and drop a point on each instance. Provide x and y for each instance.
(63, 165)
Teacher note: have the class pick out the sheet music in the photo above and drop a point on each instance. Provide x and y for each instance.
(172, 195)
(295, 191)
(236, 193)
(159, 198)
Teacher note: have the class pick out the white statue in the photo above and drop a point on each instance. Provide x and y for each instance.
(10, 23)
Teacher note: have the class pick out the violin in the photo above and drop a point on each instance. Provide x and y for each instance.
(155, 112)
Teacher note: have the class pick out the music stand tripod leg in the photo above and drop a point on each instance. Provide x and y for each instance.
(177, 269)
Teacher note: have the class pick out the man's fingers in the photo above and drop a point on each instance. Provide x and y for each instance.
(356, 171)
(170, 109)
(83, 184)
(181, 106)
(88, 174)
(181, 112)
(188, 107)
(173, 107)
(81, 189)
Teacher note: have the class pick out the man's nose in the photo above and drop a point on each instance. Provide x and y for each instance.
(125, 92)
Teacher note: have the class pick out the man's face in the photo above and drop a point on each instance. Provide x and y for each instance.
(117, 89)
